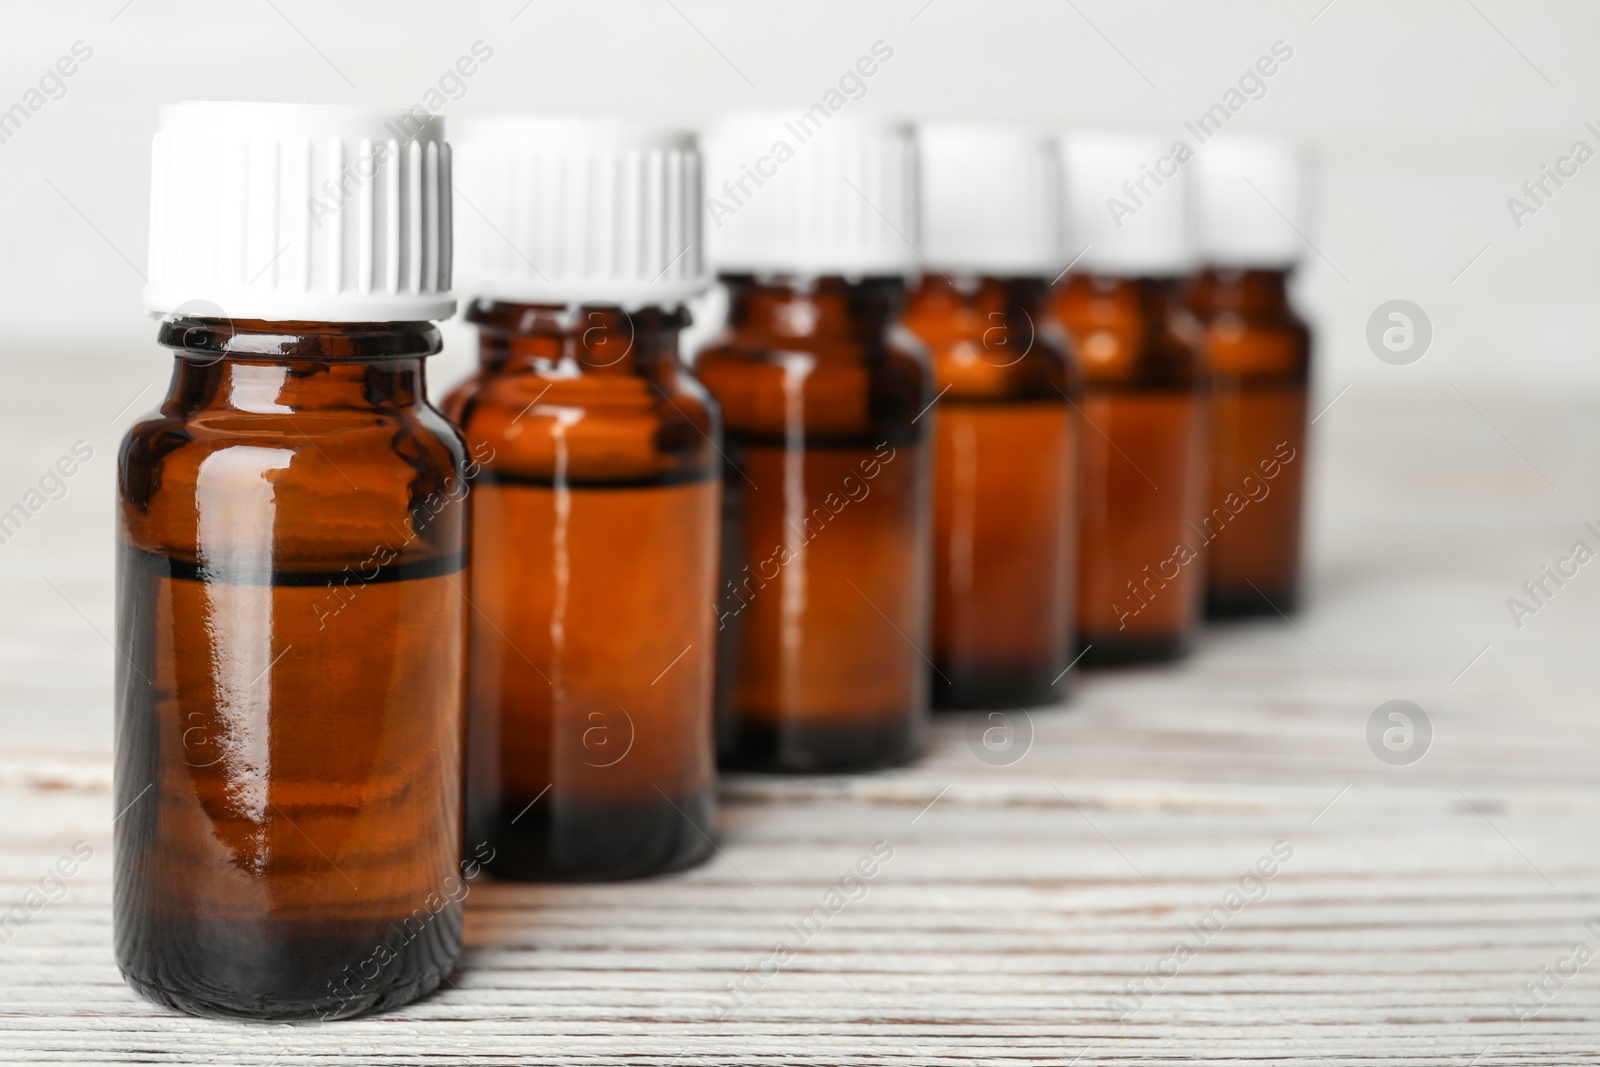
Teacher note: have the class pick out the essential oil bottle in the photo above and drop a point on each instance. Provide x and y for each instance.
(1005, 449)
(822, 608)
(1144, 469)
(596, 515)
(292, 545)
(1259, 352)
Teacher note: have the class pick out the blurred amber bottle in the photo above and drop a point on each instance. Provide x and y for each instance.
(595, 520)
(1252, 206)
(1144, 469)
(291, 553)
(1006, 437)
(822, 611)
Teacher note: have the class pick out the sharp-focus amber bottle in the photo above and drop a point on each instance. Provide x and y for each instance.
(292, 545)
(823, 605)
(595, 520)
(1259, 352)
(1144, 406)
(1006, 439)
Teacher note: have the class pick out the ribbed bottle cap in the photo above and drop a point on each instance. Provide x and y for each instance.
(568, 210)
(299, 212)
(1252, 201)
(1127, 204)
(991, 198)
(811, 192)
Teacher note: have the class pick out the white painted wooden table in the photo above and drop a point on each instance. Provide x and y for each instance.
(1020, 900)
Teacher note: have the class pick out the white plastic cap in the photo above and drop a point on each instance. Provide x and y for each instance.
(811, 192)
(299, 212)
(568, 210)
(1127, 204)
(1252, 201)
(991, 198)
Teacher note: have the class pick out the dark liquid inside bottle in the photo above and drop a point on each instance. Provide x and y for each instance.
(822, 612)
(1005, 492)
(1141, 563)
(594, 561)
(1259, 352)
(291, 694)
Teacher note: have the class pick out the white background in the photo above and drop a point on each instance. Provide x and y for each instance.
(1425, 115)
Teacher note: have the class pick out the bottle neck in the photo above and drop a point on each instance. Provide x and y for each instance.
(803, 307)
(284, 367)
(588, 339)
(1090, 298)
(1246, 291)
(976, 296)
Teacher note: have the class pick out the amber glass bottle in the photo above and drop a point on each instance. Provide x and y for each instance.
(823, 605)
(291, 683)
(1143, 466)
(291, 694)
(1005, 481)
(1259, 351)
(595, 520)
(1005, 491)
(823, 602)
(594, 561)
(1144, 469)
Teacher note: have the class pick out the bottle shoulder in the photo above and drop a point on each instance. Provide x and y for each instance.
(1257, 346)
(326, 484)
(544, 424)
(1124, 346)
(1026, 361)
(849, 387)
(756, 352)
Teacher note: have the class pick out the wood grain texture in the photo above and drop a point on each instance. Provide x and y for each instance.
(1020, 901)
